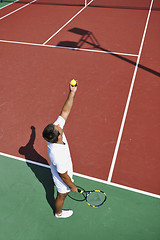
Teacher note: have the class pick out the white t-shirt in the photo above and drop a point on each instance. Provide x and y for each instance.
(59, 155)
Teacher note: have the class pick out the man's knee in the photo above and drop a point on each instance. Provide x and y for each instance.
(61, 196)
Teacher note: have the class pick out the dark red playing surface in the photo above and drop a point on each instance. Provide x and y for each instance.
(139, 150)
(35, 86)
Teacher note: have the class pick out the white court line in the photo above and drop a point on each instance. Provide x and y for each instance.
(128, 99)
(69, 48)
(9, 4)
(17, 9)
(67, 23)
(85, 176)
(126, 108)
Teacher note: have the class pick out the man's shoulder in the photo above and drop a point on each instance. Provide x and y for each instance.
(60, 121)
(57, 148)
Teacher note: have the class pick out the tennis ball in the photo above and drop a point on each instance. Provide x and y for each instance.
(73, 83)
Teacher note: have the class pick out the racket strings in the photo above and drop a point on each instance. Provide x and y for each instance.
(96, 198)
(93, 198)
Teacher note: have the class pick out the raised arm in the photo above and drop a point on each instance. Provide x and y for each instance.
(69, 102)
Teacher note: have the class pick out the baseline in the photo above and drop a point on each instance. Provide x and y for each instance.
(85, 176)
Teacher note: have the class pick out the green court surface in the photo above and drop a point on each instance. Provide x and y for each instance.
(4, 3)
(26, 213)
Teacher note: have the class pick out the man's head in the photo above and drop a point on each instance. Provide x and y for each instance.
(52, 133)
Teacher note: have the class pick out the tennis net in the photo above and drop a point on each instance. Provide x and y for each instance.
(117, 4)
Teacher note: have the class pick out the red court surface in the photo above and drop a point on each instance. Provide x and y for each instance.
(106, 25)
(35, 23)
(97, 111)
(35, 85)
(139, 149)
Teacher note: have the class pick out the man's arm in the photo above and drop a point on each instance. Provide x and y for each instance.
(69, 102)
(66, 178)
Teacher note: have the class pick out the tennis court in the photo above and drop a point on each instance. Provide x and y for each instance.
(112, 48)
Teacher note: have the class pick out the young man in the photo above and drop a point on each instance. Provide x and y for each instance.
(59, 155)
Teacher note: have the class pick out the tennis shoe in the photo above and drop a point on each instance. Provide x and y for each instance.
(64, 214)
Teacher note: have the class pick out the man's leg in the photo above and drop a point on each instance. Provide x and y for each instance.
(59, 201)
(59, 204)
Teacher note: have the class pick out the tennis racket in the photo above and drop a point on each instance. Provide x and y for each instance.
(94, 198)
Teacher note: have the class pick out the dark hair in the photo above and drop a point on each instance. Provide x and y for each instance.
(50, 134)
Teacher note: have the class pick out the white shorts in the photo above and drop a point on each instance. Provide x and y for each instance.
(60, 185)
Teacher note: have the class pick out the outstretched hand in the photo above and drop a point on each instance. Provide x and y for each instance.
(73, 88)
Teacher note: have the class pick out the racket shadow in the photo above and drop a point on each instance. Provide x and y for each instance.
(43, 174)
(77, 196)
(94, 198)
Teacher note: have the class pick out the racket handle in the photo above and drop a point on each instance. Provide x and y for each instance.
(80, 191)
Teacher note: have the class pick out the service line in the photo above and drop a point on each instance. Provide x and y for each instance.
(69, 48)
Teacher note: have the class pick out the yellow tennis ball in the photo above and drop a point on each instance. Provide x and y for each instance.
(73, 83)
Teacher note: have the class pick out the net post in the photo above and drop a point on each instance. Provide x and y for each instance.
(85, 3)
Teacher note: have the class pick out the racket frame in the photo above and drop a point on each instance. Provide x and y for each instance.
(87, 194)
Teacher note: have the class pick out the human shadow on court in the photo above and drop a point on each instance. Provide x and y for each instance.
(88, 38)
(43, 174)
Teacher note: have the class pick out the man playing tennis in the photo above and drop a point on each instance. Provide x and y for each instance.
(59, 155)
